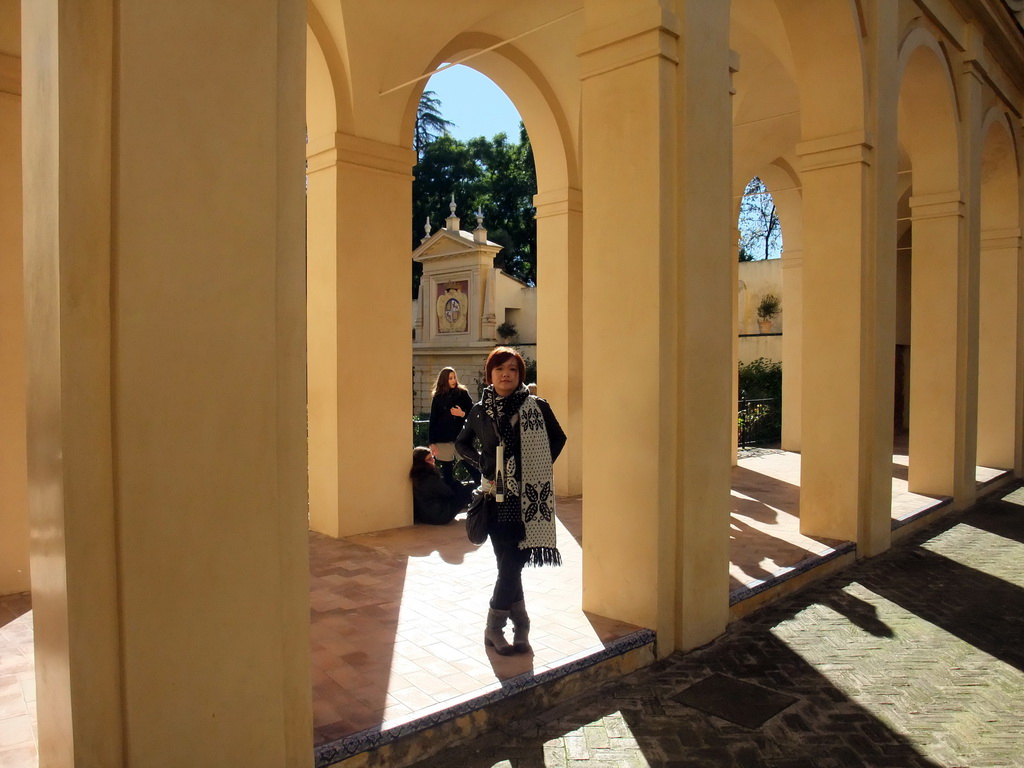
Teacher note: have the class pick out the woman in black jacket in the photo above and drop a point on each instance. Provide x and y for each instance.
(451, 402)
(434, 501)
(520, 440)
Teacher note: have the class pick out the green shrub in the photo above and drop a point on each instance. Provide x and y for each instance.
(761, 378)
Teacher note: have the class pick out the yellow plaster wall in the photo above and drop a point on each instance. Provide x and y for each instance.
(758, 278)
(14, 558)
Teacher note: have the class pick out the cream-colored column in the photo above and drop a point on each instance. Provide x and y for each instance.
(165, 293)
(937, 313)
(792, 345)
(944, 321)
(13, 471)
(360, 345)
(849, 313)
(560, 325)
(657, 327)
(997, 348)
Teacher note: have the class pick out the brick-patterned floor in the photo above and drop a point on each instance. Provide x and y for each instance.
(912, 659)
(397, 616)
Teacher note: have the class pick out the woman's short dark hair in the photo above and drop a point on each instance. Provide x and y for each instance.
(498, 356)
(419, 461)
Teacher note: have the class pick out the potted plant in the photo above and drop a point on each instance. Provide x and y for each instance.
(769, 307)
(507, 331)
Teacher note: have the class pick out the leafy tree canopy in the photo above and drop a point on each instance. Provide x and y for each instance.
(496, 176)
(430, 123)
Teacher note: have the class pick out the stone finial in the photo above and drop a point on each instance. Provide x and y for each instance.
(479, 234)
(426, 229)
(452, 222)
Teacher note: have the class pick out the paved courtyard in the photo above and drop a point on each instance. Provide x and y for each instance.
(396, 616)
(914, 658)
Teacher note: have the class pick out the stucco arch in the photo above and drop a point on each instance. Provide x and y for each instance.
(928, 124)
(766, 104)
(328, 91)
(828, 69)
(1000, 175)
(521, 79)
(783, 182)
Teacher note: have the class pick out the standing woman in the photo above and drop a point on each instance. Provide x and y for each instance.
(451, 402)
(520, 440)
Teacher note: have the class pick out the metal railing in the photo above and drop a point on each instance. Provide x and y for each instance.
(760, 422)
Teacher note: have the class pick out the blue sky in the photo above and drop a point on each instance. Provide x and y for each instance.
(474, 103)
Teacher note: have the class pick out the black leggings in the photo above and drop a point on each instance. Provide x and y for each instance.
(508, 588)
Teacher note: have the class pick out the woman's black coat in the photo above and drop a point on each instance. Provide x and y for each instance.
(444, 427)
(433, 502)
(480, 425)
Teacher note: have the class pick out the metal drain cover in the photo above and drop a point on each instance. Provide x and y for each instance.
(739, 702)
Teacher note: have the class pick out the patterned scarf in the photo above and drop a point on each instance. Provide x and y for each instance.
(528, 510)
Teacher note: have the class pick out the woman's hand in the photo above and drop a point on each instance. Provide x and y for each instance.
(457, 411)
(433, 449)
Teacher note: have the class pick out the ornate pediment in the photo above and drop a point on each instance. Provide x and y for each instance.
(445, 244)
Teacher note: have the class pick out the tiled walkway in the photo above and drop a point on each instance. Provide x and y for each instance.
(397, 616)
(912, 659)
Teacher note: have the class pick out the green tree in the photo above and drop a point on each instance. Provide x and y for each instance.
(430, 123)
(496, 177)
(760, 230)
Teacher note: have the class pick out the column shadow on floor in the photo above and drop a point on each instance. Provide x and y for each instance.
(646, 712)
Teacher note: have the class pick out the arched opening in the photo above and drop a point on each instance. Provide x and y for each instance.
(399, 604)
(476, 174)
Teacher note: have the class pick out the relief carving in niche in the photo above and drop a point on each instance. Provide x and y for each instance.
(452, 306)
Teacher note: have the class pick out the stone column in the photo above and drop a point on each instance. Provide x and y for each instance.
(14, 571)
(560, 325)
(656, 322)
(997, 348)
(360, 346)
(167, 466)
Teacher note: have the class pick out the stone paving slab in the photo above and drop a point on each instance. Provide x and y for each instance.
(913, 658)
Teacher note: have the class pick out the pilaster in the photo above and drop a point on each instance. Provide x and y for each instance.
(358, 305)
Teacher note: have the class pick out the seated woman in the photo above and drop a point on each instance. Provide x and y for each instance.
(433, 501)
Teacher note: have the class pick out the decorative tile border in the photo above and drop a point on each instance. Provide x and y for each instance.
(807, 564)
(379, 736)
(899, 522)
